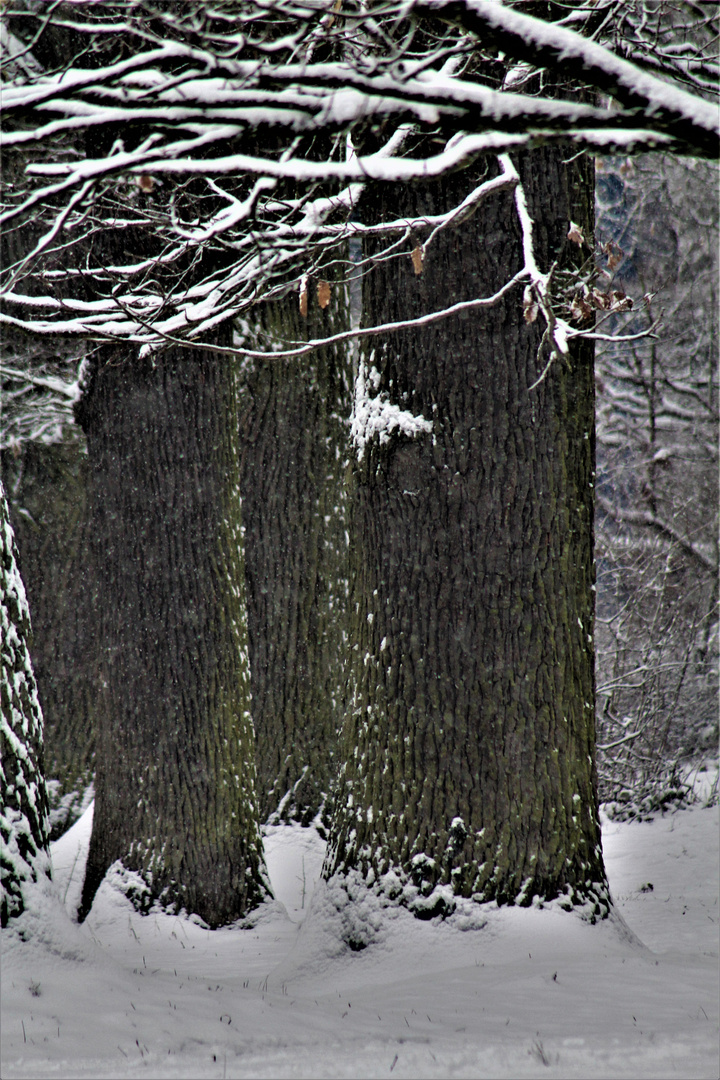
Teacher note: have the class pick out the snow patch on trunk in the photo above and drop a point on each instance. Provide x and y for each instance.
(374, 415)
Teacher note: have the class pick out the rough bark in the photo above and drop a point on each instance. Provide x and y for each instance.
(24, 855)
(469, 736)
(47, 499)
(293, 482)
(175, 798)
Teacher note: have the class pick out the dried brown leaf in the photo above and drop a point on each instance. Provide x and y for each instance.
(580, 309)
(621, 302)
(575, 234)
(323, 293)
(418, 258)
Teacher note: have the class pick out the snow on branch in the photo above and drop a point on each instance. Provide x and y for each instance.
(661, 527)
(668, 107)
(245, 155)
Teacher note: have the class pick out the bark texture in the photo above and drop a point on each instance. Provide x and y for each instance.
(175, 781)
(293, 481)
(48, 507)
(469, 736)
(24, 858)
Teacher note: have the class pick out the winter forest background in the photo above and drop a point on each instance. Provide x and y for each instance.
(359, 442)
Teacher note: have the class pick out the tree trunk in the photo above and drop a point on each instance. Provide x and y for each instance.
(175, 781)
(293, 482)
(47, 499)
(469, 737)
(24, 856)
(46, 493)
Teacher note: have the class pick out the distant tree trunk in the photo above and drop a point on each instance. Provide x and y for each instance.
(24, 856)
(469, 740)
(293, 465)
(175, 781)
(657, 497)
(47, 498)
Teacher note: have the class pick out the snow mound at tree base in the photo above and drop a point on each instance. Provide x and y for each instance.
(522, 993)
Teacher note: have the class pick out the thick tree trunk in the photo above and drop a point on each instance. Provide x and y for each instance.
(47, 499)
(293, 482)
(175, 781)
(24, 856)
(469, 738)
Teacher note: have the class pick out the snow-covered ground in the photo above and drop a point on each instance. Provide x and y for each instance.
(506, 993)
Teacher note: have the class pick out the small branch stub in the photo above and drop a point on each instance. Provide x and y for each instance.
(530, 307)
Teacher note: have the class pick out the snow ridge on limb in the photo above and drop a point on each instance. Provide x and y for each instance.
(202, 306)
(24, 851)
(669, 108)
(187, 111)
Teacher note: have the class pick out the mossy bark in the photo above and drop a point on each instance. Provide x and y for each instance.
(293, 462)
(175, 782)
(48, 506)
(469, 736)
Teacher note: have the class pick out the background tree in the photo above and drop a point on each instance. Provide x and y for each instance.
(24, 857)
(154, 524)
(657, 490)
(44, 465)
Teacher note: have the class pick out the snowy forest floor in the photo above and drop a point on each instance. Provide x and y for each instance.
(504, 993)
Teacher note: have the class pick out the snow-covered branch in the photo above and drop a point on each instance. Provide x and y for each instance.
(663, 528)
(228, 152)
(668, 107)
